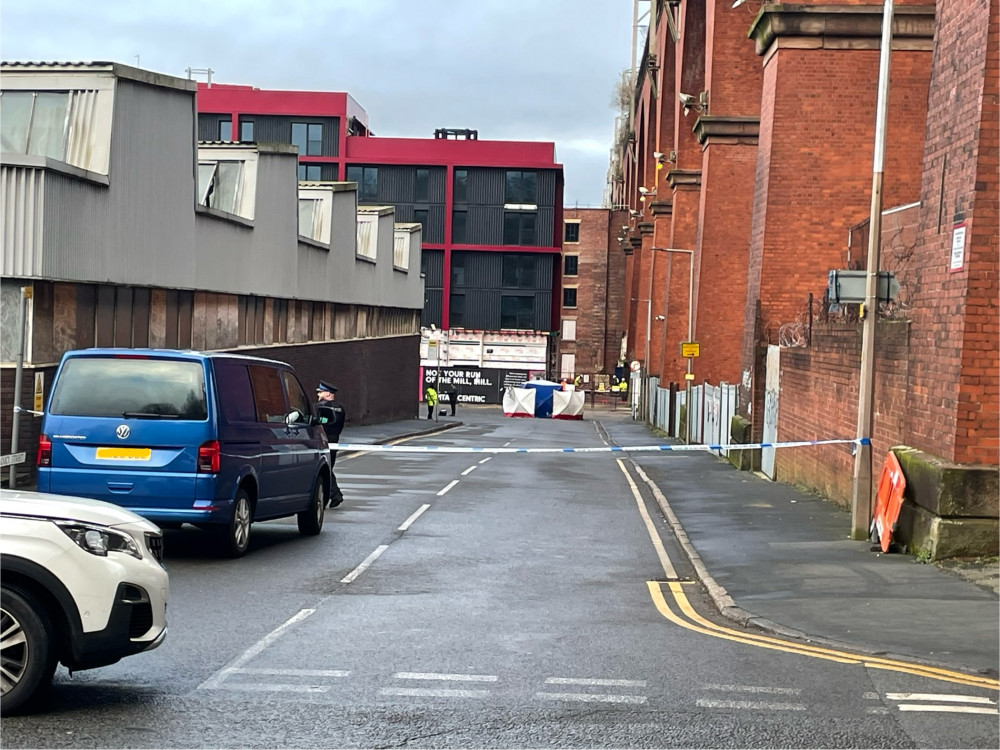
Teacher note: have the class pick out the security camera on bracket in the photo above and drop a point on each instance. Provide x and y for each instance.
(645, 192)
(697, 103)
(634, 214)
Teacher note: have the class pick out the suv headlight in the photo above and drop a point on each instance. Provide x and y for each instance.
(99, 540)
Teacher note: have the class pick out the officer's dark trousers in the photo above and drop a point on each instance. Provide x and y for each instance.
(336, 496)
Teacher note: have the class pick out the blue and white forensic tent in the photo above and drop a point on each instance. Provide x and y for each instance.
(543, 398)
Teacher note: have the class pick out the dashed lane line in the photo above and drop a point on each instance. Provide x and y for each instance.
(364, 564)
(409, 521)
(446, 677)
(447, 487)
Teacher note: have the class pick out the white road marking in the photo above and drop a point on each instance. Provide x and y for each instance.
(451, 484)
(486, 459)
(756, 689)
(592, 697)
(217, 679)
(439, 676)
(364, 564)
(276, 688)
(877, 710)
(941, 698)
(432, 693)
(295, 672)
(931, 707)
(409, 521)
(870, 696)
(595, 681)
(469, 471)
(751, 704)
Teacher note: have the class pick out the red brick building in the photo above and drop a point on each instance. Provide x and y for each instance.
(593, 288)
(747, 162)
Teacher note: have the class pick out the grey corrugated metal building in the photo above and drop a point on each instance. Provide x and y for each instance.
(130, 233)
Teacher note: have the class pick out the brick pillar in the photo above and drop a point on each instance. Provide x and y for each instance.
(814, 161)
(953, 402)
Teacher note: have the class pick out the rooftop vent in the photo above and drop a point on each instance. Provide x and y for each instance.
(457, 134)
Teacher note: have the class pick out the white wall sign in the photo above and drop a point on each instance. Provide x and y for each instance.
(958, 248)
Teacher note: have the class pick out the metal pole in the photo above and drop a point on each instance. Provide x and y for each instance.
(21, 325)
(862, 489)
(437, 380)
(645, 356)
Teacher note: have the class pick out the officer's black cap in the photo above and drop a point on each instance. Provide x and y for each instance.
(324, 386)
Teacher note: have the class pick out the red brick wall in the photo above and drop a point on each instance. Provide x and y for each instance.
(955, 392)
(600, 291)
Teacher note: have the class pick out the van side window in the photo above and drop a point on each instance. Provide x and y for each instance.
(268, 397)
(232, 384)
(296, 396)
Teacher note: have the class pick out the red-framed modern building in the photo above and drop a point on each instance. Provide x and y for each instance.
(491, 213)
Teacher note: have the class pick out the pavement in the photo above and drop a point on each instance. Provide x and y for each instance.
(780, 558)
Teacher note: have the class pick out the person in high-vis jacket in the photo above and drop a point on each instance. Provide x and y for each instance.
(331, 416)
(431, 399)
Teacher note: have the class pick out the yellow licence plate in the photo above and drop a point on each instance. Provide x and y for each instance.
(124, 454)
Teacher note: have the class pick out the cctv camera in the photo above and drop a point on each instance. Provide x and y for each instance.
(657, 155)
(687, 100)
(644, 190)
(633, 212)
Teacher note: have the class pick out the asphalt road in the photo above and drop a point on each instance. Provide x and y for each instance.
(463, 600)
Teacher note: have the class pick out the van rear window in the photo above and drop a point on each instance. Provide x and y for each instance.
(140, 388)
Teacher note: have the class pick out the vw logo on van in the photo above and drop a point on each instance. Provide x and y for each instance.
(123, 431)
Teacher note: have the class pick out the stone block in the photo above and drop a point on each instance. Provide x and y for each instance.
(948, 489)
(740, 432)
(929, 536)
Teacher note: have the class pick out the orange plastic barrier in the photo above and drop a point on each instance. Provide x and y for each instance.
(889, 499)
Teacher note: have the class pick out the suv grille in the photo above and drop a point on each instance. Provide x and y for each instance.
(154, 543)
(141, 619)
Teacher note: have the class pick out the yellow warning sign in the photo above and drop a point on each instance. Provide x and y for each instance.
(690, 349)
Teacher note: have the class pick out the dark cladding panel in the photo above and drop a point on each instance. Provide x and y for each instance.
(208, 126)
(395, 184)
(432, 308)
(544, 228)
(432, 266)
(543, 311)
(486, 187)
(546, 188)
(484, 225)
(434, 229)
(278, 129)
(436, 181)
(482, 310)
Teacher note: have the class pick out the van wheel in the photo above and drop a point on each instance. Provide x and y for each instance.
(236, 534)
(311, 519)
(29, 660)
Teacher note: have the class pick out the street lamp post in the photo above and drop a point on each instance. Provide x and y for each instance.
(689, 375)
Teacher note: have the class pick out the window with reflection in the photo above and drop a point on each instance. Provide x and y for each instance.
(458, 227)
(461, 186)
(34, 123)
(517, 312)
(571, 265)
(308, 137)
(521, 187)
(456, 311)
(367, 179)
(519, 228)
(571, 231)
(310, 172)
(246, 131)
(518, 271)
(225, 130)
(569, 296)
(420, 185)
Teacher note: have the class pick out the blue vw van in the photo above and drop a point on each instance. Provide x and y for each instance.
(214, 440)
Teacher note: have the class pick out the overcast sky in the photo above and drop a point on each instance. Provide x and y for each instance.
(538, 70)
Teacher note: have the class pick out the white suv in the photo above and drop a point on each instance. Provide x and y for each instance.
(81, 582)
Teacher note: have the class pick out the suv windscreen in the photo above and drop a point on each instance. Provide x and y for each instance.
(130, 387)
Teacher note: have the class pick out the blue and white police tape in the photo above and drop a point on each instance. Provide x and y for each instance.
(375, 448)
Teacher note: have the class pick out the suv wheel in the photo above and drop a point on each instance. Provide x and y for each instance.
(25, 648)
(311, 519)
(236, 533)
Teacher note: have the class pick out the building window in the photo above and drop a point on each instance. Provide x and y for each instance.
(569, 330)
(420, 189)
(571, 231)
(571, 265)
(219, 184)
(517, 312)
(34, 123)
(569, 296)
(521, 188)
(225, 130)
(461, 186)
(367, 179)
(246, 131)
(458, 269)
(308, 137)
(518, 272)
(420, 216)
(456, 311)
(458, 232)
(518, 228)
(310, 172)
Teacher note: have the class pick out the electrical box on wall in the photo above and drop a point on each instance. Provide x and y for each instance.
(847, 287)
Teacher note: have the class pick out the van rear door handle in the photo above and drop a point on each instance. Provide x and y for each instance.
(120, 486)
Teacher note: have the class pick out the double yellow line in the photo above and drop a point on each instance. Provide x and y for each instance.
(684, 615)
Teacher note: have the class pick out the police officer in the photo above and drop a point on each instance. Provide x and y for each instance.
(331, 416)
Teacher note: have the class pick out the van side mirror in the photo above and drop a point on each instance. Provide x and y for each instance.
(293, 417)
